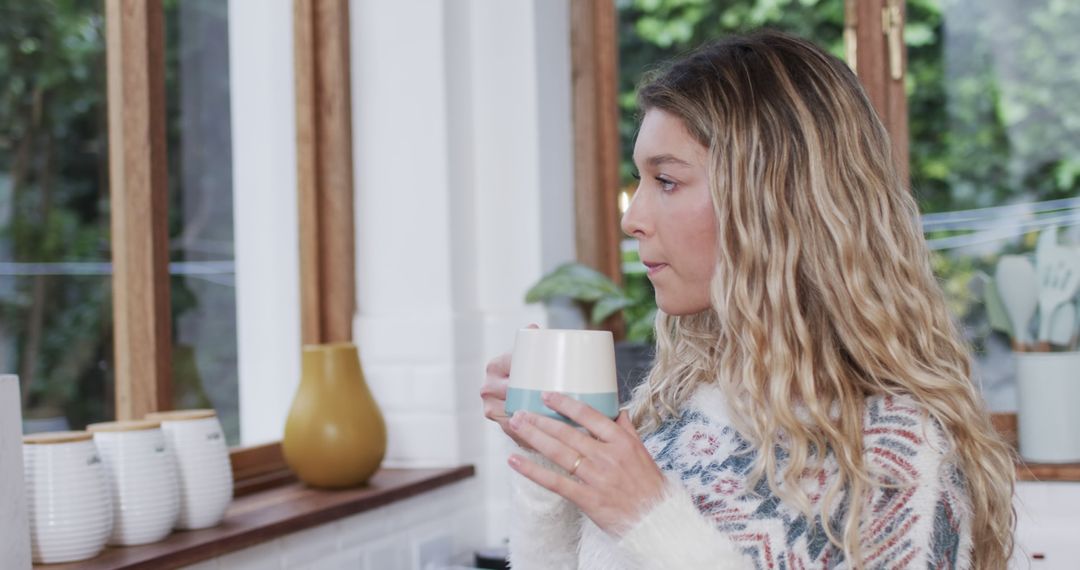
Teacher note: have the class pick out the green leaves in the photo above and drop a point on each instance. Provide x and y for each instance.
(608, 306)
(600, 296)
(575, 281)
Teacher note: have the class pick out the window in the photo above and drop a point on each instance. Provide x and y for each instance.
(118, 296)
(201, 251)
(995, 146)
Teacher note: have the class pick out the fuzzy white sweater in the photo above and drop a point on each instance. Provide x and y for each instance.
(712, 517)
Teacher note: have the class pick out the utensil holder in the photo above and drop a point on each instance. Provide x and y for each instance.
(1048, 394)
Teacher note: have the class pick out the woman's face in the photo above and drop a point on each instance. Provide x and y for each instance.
(672, 215)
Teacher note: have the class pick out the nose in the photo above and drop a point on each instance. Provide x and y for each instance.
(634, 223)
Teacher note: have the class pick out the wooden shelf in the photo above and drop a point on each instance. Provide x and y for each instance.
(1065, 472)
(269, 514)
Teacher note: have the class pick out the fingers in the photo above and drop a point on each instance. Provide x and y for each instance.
(624, 422)
(566, 487)
(495, 408)
(598, 424)
(494, 389)
(569, 436)
(550, 446)
(499, 366)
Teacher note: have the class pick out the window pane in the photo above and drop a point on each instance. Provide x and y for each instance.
(994, 122)
(55, 309)
(201, 209)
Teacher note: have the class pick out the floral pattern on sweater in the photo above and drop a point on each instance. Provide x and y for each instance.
(917, 520)
(712, 517)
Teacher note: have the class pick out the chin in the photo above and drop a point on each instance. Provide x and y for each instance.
(680, 308)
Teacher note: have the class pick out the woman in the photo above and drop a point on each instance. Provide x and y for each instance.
(811, 403)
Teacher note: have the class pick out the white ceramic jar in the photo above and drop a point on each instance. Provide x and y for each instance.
(143, 480)
(1048, 394)
(202, 458)
(67, 497)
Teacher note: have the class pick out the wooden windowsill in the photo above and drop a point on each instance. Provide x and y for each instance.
(268, 514)
(1048, 472)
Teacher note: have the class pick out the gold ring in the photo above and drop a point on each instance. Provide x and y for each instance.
(577, 464)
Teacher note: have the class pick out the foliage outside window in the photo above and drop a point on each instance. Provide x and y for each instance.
(55, 294)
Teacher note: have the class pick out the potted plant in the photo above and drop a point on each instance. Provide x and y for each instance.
(600, 298)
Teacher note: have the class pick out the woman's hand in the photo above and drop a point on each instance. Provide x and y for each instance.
(493, 393)
(612, 478)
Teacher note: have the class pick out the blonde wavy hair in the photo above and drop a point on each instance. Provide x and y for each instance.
(823, 292)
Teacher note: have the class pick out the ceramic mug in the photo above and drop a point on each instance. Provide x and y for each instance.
(67, 496)
(576, 363)
(142, 479)
(202, 459)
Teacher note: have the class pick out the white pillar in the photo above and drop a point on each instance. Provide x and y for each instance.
(14, 524)
(463, 149)
(266, 219)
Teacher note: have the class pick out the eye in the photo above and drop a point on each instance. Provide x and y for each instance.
(666, 184)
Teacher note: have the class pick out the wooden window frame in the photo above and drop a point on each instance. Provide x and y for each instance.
(324, 170)
(135, 52)
(874, 38)
(594, 55)
(138, 187)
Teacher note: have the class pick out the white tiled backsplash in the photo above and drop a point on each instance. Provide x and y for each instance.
(420, 533)
(426, 532)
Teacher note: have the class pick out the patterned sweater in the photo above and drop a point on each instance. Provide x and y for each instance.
(711, 517)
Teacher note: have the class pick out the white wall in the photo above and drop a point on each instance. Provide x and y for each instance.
(420, 533)
(462, 124)
(464, 197)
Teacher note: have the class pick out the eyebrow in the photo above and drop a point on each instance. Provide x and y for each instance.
(661, 159)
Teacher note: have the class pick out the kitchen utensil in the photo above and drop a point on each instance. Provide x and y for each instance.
(1047, 241)
(1059, 279)
(1017, 284)
(995, 309)
(1063, 325)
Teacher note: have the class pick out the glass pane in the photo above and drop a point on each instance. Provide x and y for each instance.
(201, 209)
(653, 31)
(995, 146)
(55, 309)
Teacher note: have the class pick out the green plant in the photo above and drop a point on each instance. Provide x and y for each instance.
(600, 297)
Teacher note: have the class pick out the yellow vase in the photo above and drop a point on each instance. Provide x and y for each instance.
(335, 435)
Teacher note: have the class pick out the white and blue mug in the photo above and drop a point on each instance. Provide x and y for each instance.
(576, 363)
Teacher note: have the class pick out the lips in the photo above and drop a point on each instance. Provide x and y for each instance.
(654, 267)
